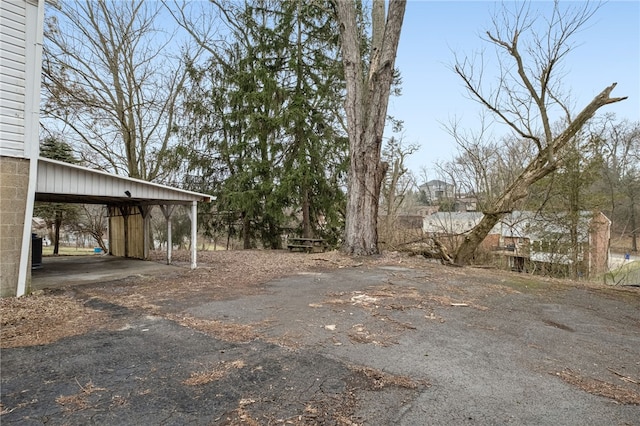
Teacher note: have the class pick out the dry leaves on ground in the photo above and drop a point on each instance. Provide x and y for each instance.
(221, 370)
(38, 320)
(599, 387)
(79, 401)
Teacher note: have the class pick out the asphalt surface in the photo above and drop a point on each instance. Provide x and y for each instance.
(346, 346)
(60, 271)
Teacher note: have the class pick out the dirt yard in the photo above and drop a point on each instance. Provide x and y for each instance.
(272, 337)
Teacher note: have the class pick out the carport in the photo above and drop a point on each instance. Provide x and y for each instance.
(128, 202)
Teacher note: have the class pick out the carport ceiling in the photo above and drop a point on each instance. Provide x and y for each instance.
(61, 182)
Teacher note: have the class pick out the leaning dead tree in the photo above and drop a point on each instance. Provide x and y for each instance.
(527, 97)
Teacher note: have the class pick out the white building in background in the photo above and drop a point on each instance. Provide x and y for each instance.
(450, 222)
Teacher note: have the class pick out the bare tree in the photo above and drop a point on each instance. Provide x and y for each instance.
(396, 186)
(485, 166)
(92, 220)
(366, 110)
(527, 97)
(399, 179)
(111, 78)
(620, 177)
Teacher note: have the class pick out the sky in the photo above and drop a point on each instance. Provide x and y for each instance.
(607, 50)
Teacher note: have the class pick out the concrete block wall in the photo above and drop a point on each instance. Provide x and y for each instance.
(14, 181)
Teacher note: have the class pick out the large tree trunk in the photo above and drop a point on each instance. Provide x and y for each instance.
(634, 228)
(473, 239)
(307, 232)
(366, 109)
(246, 232)
(547, 160)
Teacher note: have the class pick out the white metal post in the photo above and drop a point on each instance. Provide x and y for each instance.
(33, 60)
(146, 224)
(166, 211)
(194, 233)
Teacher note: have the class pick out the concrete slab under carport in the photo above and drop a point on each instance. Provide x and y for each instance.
(60, 271)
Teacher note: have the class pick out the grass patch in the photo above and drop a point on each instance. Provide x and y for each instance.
(68, 251)
(627, 274)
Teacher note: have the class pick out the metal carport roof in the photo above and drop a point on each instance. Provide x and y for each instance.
(68, 183)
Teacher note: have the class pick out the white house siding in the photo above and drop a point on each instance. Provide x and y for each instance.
(21, 23)
(13, 35)
(450, 222)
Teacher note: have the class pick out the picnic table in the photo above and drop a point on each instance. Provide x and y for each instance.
(306, 244)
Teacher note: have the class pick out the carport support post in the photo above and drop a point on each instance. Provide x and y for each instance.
(144, 211)
(167, 211)
(194, 233)
(124, 210)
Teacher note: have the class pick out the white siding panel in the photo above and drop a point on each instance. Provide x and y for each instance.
(13, 83)
(11, 140)
(14, 93)
(13, 12)
(11, 135)
(14, 7)
(13, 57)
(11, 43)
(10, 105)
(12, 36)
(12, 123)
(10, 145)
(11, 24)
(11, 70)
(12, 76)
(13, 64)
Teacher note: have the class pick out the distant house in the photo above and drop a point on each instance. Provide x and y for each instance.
(436, 191)
(529, 241)
(440, 193)
(465, 204)
(533, 241)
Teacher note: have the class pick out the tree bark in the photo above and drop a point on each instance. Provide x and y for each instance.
(246, 232)
(634, 228)
(366, 104)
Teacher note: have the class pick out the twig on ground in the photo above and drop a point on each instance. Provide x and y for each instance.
(623, 377)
